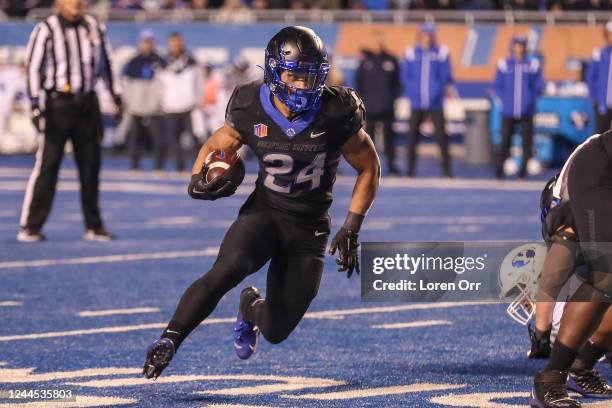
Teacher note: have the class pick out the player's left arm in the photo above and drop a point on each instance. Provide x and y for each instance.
(360, 153)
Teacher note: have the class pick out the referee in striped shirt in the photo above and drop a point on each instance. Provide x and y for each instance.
(66, 55)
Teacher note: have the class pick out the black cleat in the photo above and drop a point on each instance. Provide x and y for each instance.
(246, 333)
(588, 383)
(540, 344)
(549, 391)
(159, 355)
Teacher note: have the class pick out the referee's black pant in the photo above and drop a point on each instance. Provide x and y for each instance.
(74, 117)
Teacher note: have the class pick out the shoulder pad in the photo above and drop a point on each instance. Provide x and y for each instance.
(341, 101)
(244, 95)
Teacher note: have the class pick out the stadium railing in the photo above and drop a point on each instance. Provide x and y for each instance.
(339, 16)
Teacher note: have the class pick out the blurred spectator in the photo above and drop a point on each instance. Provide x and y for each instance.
(433, 4)
(518, 84)
(127, 4)
(335, 77)
(426, 77)
(182, 91)
(214, 100)
(240, 72)
(20, 8)
(378, 83)
(142, 101)
(172, 4)
(521, 4)
(598, 77)
(199, 4)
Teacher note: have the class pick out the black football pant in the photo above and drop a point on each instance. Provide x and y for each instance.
(295, 248)
(175, 125)
(508, 128)
(140, 126)
(416, 119)
(386, 120)
(66, 117)
(602, 120)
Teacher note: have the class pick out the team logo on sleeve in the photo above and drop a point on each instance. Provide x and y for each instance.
(260, 130)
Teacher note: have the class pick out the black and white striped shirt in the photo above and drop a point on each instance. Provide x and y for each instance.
(68, 57)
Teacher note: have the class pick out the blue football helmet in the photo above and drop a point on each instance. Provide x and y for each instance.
(300, 51)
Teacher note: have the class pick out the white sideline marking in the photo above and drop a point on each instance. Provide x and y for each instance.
(121, 187)
(109, 312)
(332, 314)
(409, 325)
(10, 303)
(210, 251)
(280, 383)
(99, 330)
(27, 375)
(391, 309)
(80, 401)
(492, 400)
(376, 392)
(236, 406)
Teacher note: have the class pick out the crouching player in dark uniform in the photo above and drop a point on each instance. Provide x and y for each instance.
(563, 259)
(298, 128)
(580, 210)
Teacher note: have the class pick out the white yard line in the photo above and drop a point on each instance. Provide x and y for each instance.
(410, 325)
(210, 251)
(331, 314)
(112, 312)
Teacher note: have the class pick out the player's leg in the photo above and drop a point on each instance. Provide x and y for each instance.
(88, 155)
(527, 141)
(558, 266)
(437, 118)
(242, 252)
(590, 197)
(40, 190)
(293, 279)
(583, 378)
(292, 285)
(504, 148)
(416, 118)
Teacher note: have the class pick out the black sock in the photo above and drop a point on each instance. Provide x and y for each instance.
(542, 334)
(175, 332)
(561, 357)
(588, 356)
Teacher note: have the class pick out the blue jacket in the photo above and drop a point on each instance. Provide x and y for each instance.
(425, 75)
(598, 78)
(518, 84)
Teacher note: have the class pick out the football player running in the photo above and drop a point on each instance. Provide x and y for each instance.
(298, 128)
(580, 211)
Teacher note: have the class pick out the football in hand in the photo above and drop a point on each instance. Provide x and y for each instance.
(222, 164)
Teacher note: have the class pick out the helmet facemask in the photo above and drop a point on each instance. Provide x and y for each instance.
(297, 99)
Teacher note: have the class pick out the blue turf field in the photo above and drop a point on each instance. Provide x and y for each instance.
(342, 355)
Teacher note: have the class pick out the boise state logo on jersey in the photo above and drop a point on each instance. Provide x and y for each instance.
(523, 258)
(260, 130)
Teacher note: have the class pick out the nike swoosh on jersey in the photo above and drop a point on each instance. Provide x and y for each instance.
(319, 233)
(315, 135)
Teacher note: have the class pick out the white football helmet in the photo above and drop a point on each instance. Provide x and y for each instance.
(518, 280)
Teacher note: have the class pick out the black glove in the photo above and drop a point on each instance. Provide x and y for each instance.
(37, 117)
(346, 243)
(199, 189)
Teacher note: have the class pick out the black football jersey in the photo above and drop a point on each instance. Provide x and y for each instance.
(298, 158)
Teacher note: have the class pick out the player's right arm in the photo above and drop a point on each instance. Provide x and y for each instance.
(227, 139)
